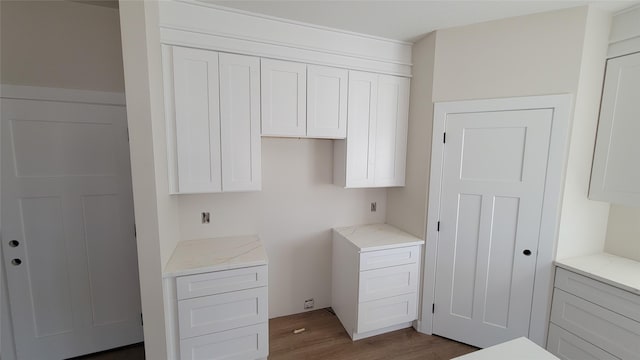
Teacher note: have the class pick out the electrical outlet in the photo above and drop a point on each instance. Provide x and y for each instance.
(308, 304)
(206, 217)
(374, 206)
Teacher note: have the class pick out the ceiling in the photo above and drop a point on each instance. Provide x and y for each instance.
(406, 20)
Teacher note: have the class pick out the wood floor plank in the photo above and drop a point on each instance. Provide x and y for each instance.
(325, 338)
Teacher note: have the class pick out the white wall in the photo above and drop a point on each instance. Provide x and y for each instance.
(583, 222)
(293, 215)
(61, 44)
(155, 211)
(57, 44)
(548, 53)
(407, 206)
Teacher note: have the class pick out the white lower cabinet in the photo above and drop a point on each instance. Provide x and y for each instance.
(216, 300)
(567, 346)
(593, 320)
(250, 342)
(376, 274)
(223, 314)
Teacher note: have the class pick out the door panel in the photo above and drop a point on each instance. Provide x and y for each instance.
(283, 97)
(327, 102)
(67, 201)
(492, 190)
(240, 122)
(361, 127)
(391, 130)
(197, 119)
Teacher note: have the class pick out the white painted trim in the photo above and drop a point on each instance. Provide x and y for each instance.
(625, 47)
(294, 22)
(197, 24)
(558, 151)
(61, 95)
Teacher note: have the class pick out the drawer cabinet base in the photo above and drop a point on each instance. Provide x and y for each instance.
(249, 342)
(567, 346)
(362, 335)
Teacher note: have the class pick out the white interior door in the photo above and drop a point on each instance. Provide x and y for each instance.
(493, 185)
(68, 233)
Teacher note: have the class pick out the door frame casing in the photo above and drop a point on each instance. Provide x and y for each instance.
(561, 106)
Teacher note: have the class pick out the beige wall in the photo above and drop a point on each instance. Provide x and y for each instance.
(293, 215)
(60, 44)
(623, 233)
(548, 53)
(527, 55)
(407, 206)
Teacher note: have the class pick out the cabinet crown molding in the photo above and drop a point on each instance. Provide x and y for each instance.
(203, 25)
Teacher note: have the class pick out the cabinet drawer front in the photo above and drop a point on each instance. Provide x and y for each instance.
(605, 329)
(612, 298)
(567, 346)
(249, 342)
(220, 282)
(387, 282)
(214, 313)
(391, 257)
(378, 314)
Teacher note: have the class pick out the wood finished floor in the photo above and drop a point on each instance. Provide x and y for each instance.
(325, 338)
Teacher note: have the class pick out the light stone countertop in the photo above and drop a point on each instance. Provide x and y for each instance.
(224, 253)
(377, 237)
(611, 269)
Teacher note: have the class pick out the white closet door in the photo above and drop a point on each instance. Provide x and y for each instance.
(327, 102)
(391, 130)
(361, 128)
(240, 122)
(68, 228)
(284, 98)
(197, 120)
(493, 186)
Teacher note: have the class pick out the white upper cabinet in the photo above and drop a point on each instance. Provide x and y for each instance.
(391, 130)
(616, 174)
(197, 118)
(213, 120)
(300, 100)
(374, 153)
(327, 102)
(240, 122)
(284, 98)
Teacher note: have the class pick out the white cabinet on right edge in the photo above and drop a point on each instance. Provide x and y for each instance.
(616, 171)
(374, 152)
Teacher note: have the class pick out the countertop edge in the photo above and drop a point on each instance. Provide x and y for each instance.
(595, 276)
(223, 267)
(386, 247)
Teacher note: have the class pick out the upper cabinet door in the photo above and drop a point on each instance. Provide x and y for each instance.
(284, 98)
(240, 122)
(361, 127)
(327, 102)
(391, 130)
(197, 118)
(616, 174)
